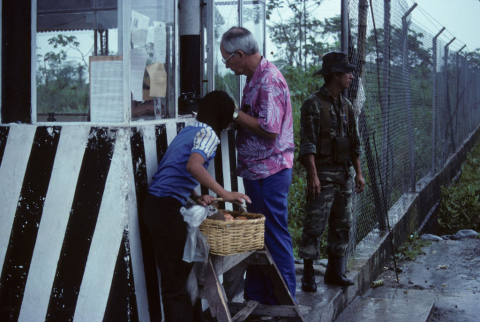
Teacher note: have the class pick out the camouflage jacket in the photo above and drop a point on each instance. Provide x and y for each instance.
(310, 134)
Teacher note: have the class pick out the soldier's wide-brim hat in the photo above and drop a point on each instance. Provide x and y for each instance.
(335, 62)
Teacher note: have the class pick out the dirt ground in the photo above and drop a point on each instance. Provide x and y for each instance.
(448, 272)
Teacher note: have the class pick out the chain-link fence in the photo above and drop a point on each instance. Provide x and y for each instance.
(417, 100)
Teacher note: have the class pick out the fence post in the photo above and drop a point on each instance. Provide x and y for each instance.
(457, 102)
(448, 127)
(408, 101)
(386, 99)
(344, 32)
(434, 104)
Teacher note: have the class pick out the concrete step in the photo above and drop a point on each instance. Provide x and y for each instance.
(367, 309)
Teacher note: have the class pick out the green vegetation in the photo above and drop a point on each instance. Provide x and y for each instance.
(460, 206)
(411, 248)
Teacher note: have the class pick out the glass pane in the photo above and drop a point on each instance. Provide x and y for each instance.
(253, 20)
(69, 46)
(152, 74)
(226, 16)
(107, 33)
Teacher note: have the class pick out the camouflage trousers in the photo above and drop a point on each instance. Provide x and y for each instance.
(333, 206)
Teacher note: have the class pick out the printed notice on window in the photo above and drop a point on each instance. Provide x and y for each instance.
(160, 42)
(139, 29)
(106, 90)
(137, 70)
(158, 80)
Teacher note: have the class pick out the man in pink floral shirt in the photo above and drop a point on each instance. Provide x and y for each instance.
(265, 154)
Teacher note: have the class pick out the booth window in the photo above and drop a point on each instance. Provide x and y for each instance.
(152, 68)
(225, 14)
(80, 60)
(68, 34)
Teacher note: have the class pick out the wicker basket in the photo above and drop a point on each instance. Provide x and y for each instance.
(234, 236)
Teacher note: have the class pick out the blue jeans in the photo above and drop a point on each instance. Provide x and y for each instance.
(269, 197)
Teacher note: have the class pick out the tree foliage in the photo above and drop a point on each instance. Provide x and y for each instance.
(299, 36)
(61, 83)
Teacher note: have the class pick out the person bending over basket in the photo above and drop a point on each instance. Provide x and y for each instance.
(182, 168)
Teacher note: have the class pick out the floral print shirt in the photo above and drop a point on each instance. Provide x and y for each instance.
(267, 97)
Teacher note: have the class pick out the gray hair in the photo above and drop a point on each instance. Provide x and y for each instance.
(239, 38)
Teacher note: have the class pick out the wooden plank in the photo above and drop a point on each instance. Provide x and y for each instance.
(245, 312)
(215, 294)
(224, 263)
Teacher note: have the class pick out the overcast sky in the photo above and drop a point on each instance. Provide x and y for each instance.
(461, 18)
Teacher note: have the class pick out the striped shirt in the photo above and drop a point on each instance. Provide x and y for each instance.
(172, 178)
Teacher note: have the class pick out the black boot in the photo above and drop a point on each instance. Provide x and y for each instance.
(335, 273)
(308, 279)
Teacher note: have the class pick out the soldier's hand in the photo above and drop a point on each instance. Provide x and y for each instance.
(313, 186)
(359, 183)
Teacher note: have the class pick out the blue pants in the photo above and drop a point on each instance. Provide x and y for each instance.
(269, 197)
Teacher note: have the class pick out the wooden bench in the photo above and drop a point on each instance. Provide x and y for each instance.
(203, 282)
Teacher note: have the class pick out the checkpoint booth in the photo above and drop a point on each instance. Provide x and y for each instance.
(93, 92)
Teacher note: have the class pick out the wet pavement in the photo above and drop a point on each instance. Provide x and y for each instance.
(439, 286)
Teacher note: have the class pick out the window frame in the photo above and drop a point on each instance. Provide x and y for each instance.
(124, 10)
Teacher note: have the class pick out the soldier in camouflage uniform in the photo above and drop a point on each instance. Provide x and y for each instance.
(329, 150)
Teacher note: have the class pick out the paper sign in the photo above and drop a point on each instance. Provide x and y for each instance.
(160, 42)
(158, 80)
(139, 29)
(106, 90)
(138, 60)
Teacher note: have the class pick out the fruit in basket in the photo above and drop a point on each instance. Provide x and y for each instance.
(241, 218)
(227, 216)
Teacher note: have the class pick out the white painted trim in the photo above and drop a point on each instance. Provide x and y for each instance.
(171, 129)
(12, 172)
(149, 142)
(227, 182)
(136, 253)
(111, 222)
(56, 212)
(33, 63)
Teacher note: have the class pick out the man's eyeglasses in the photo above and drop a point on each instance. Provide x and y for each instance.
(225, 60)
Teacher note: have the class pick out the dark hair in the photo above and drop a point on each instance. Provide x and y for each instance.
(216, 110)
(239, 38)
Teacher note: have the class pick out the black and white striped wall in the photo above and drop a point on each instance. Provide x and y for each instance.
(71, 243)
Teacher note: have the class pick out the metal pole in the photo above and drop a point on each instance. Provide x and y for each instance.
(434, 104)
(344, 32)
(448, 119)
(242, 78)
(344, 27)
(385, 106)
(211, 45)
(408, 100)
(457, 102)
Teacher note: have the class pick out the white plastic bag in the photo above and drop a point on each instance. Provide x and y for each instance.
(196, 246)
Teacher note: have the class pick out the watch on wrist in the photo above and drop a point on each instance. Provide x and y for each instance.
(235, 114)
